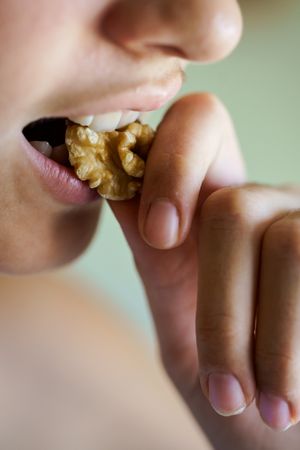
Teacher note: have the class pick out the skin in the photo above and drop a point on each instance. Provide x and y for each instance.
(93, 37)
(65, 389)
(236, 251)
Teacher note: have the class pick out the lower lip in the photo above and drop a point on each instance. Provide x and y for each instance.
(61, 182)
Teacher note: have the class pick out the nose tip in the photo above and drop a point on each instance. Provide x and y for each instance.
(197, 30)
(221, 32)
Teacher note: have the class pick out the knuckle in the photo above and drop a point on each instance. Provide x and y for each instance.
(215, 330)
(273, 358)
(231, 208)
(277, 369)
(283, 239)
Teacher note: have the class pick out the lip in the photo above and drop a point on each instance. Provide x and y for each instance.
(61, 182)
(144, 98)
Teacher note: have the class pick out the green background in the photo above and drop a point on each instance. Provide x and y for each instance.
(259, 84)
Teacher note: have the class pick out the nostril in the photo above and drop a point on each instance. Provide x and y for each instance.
(143, 28)
(168, 50)
(194, 30)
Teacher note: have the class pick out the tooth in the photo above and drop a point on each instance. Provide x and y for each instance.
(42, 147)
(106, 122)
(127, 118)
(60, 155)
(145, 116)
(82, 120)
(111, 121)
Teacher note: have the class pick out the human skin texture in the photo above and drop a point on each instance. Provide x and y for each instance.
(66, 57)
(224, 257)
(65, 358)
(225, 293)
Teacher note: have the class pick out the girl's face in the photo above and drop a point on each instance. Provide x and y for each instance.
(64, 58)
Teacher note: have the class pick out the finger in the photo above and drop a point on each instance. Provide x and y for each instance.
(231, 227)
(277, 353)
(170, 277)
(193, 144)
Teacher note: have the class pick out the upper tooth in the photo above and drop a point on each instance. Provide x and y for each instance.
(128, 117)
(106, 122)
(144, 117)
(82, 120)
(43, 147)
(109, 121)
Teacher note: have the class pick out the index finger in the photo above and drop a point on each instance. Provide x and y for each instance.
(195, 147)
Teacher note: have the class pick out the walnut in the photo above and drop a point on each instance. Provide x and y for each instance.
(112, 162)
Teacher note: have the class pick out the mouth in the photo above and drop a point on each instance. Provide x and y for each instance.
(44, 141)
(47, 135)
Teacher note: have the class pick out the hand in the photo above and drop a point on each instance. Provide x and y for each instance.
(225, 258)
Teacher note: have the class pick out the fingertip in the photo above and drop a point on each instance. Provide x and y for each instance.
(196, 103)
(275, 412)
(161, 225)
(226, 395)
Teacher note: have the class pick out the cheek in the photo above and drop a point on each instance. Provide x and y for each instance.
(34, 40)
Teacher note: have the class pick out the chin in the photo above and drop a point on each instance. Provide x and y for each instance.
(42, 250)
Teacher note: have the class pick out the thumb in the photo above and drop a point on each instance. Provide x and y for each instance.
(195, 152)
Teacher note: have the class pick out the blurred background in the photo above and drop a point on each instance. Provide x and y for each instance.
(259, 84)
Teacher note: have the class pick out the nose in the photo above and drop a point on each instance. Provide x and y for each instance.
(196, 30)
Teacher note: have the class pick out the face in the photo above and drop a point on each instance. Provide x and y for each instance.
(66, 58)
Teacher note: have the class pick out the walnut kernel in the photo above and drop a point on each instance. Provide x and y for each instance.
(112, 162)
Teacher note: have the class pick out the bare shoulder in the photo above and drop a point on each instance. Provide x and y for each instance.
(74, 369)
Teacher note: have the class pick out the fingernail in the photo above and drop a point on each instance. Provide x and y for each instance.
(225, 394)
(162, 224)
(274, 411)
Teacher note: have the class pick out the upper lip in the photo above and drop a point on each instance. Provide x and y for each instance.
(144, 97)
